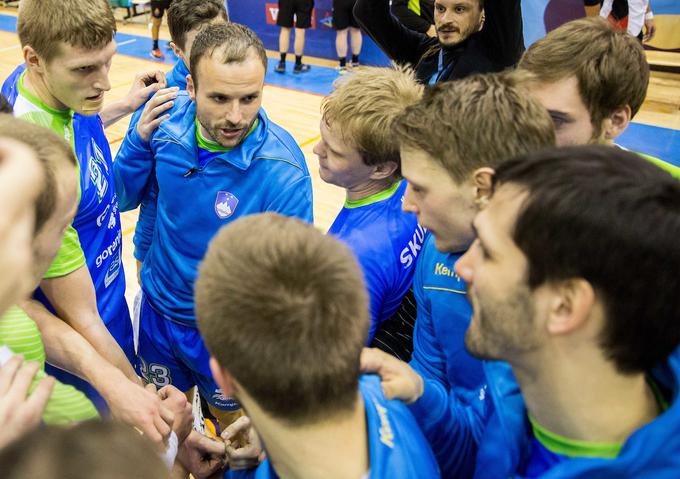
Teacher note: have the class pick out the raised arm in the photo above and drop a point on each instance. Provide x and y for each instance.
(503, 32)
(411, 19)
(397, 41)
(134, 164)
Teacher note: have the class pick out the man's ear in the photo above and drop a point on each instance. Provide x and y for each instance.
(482, 19)
(571, 303)
(33, 61)
(223, 378)
(175, 49)
(191, 88)
(482, 181)
(384, 170)
(616, 123)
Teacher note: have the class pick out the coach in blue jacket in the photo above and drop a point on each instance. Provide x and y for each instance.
(573, 281)
(216, 157)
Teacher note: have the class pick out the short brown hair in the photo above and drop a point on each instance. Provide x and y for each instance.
(284, 309)
(609, 65)
(52, 152)
(479, 121)
(186, 15)
(234, 42)
(93, 449)
(43, 24)
(364, 105)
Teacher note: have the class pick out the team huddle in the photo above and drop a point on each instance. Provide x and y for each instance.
(496, 298)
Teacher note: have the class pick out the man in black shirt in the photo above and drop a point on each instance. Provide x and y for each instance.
(473, 36)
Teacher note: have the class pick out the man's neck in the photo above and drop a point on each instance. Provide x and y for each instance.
(334, 448)
(583, 397)
(36, 85)
(367, 189)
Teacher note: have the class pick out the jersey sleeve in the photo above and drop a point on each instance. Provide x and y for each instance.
(408, 17)
(428, 359)
(397, 41)
(377, 286)
(133, 167)
(146, 222)
(70, 256)
(503, 31)
(295, 200)
(451, 428)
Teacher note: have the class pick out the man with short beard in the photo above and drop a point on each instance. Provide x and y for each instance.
(573, 282)
(215, 157)
(472, 36)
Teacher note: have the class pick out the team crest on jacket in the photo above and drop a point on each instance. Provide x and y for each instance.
(225, 204)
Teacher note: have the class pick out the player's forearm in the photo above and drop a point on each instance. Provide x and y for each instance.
(66, 349)
(114, 111)
(73, 298)
(102, 341)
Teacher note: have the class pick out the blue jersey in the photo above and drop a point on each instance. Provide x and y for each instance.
(386, 241)
(266, 172)
(443, 318)
(147, 207)
(177, 76)
(97, 220)
(396, 447)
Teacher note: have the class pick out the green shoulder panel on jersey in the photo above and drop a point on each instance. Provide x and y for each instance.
(69, 258)
(30, 108)
(66, 404)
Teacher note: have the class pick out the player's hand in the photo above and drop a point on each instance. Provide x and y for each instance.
(141, 407)
(143, 86)
(650, 30)
(175, 400)
(201, 456)
(20, 413)
(242, 454)
(154, 111)
(431, 32)
(399, 380)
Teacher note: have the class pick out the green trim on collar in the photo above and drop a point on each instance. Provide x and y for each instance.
(65, 115)
(572, 448)
(375, 198)
(213, 146)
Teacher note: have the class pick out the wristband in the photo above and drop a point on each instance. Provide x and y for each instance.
(171, 452)
(649, 15)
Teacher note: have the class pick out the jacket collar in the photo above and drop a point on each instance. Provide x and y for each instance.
(653, 447)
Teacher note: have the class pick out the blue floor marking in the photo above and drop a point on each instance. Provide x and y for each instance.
(663, 143)
(8, 23)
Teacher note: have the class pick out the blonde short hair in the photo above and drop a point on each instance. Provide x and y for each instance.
(44, 24)
(284, 309)
(364, 105)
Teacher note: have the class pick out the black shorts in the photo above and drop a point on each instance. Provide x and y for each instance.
(158, 7)
(302, 9)
(342, 14)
